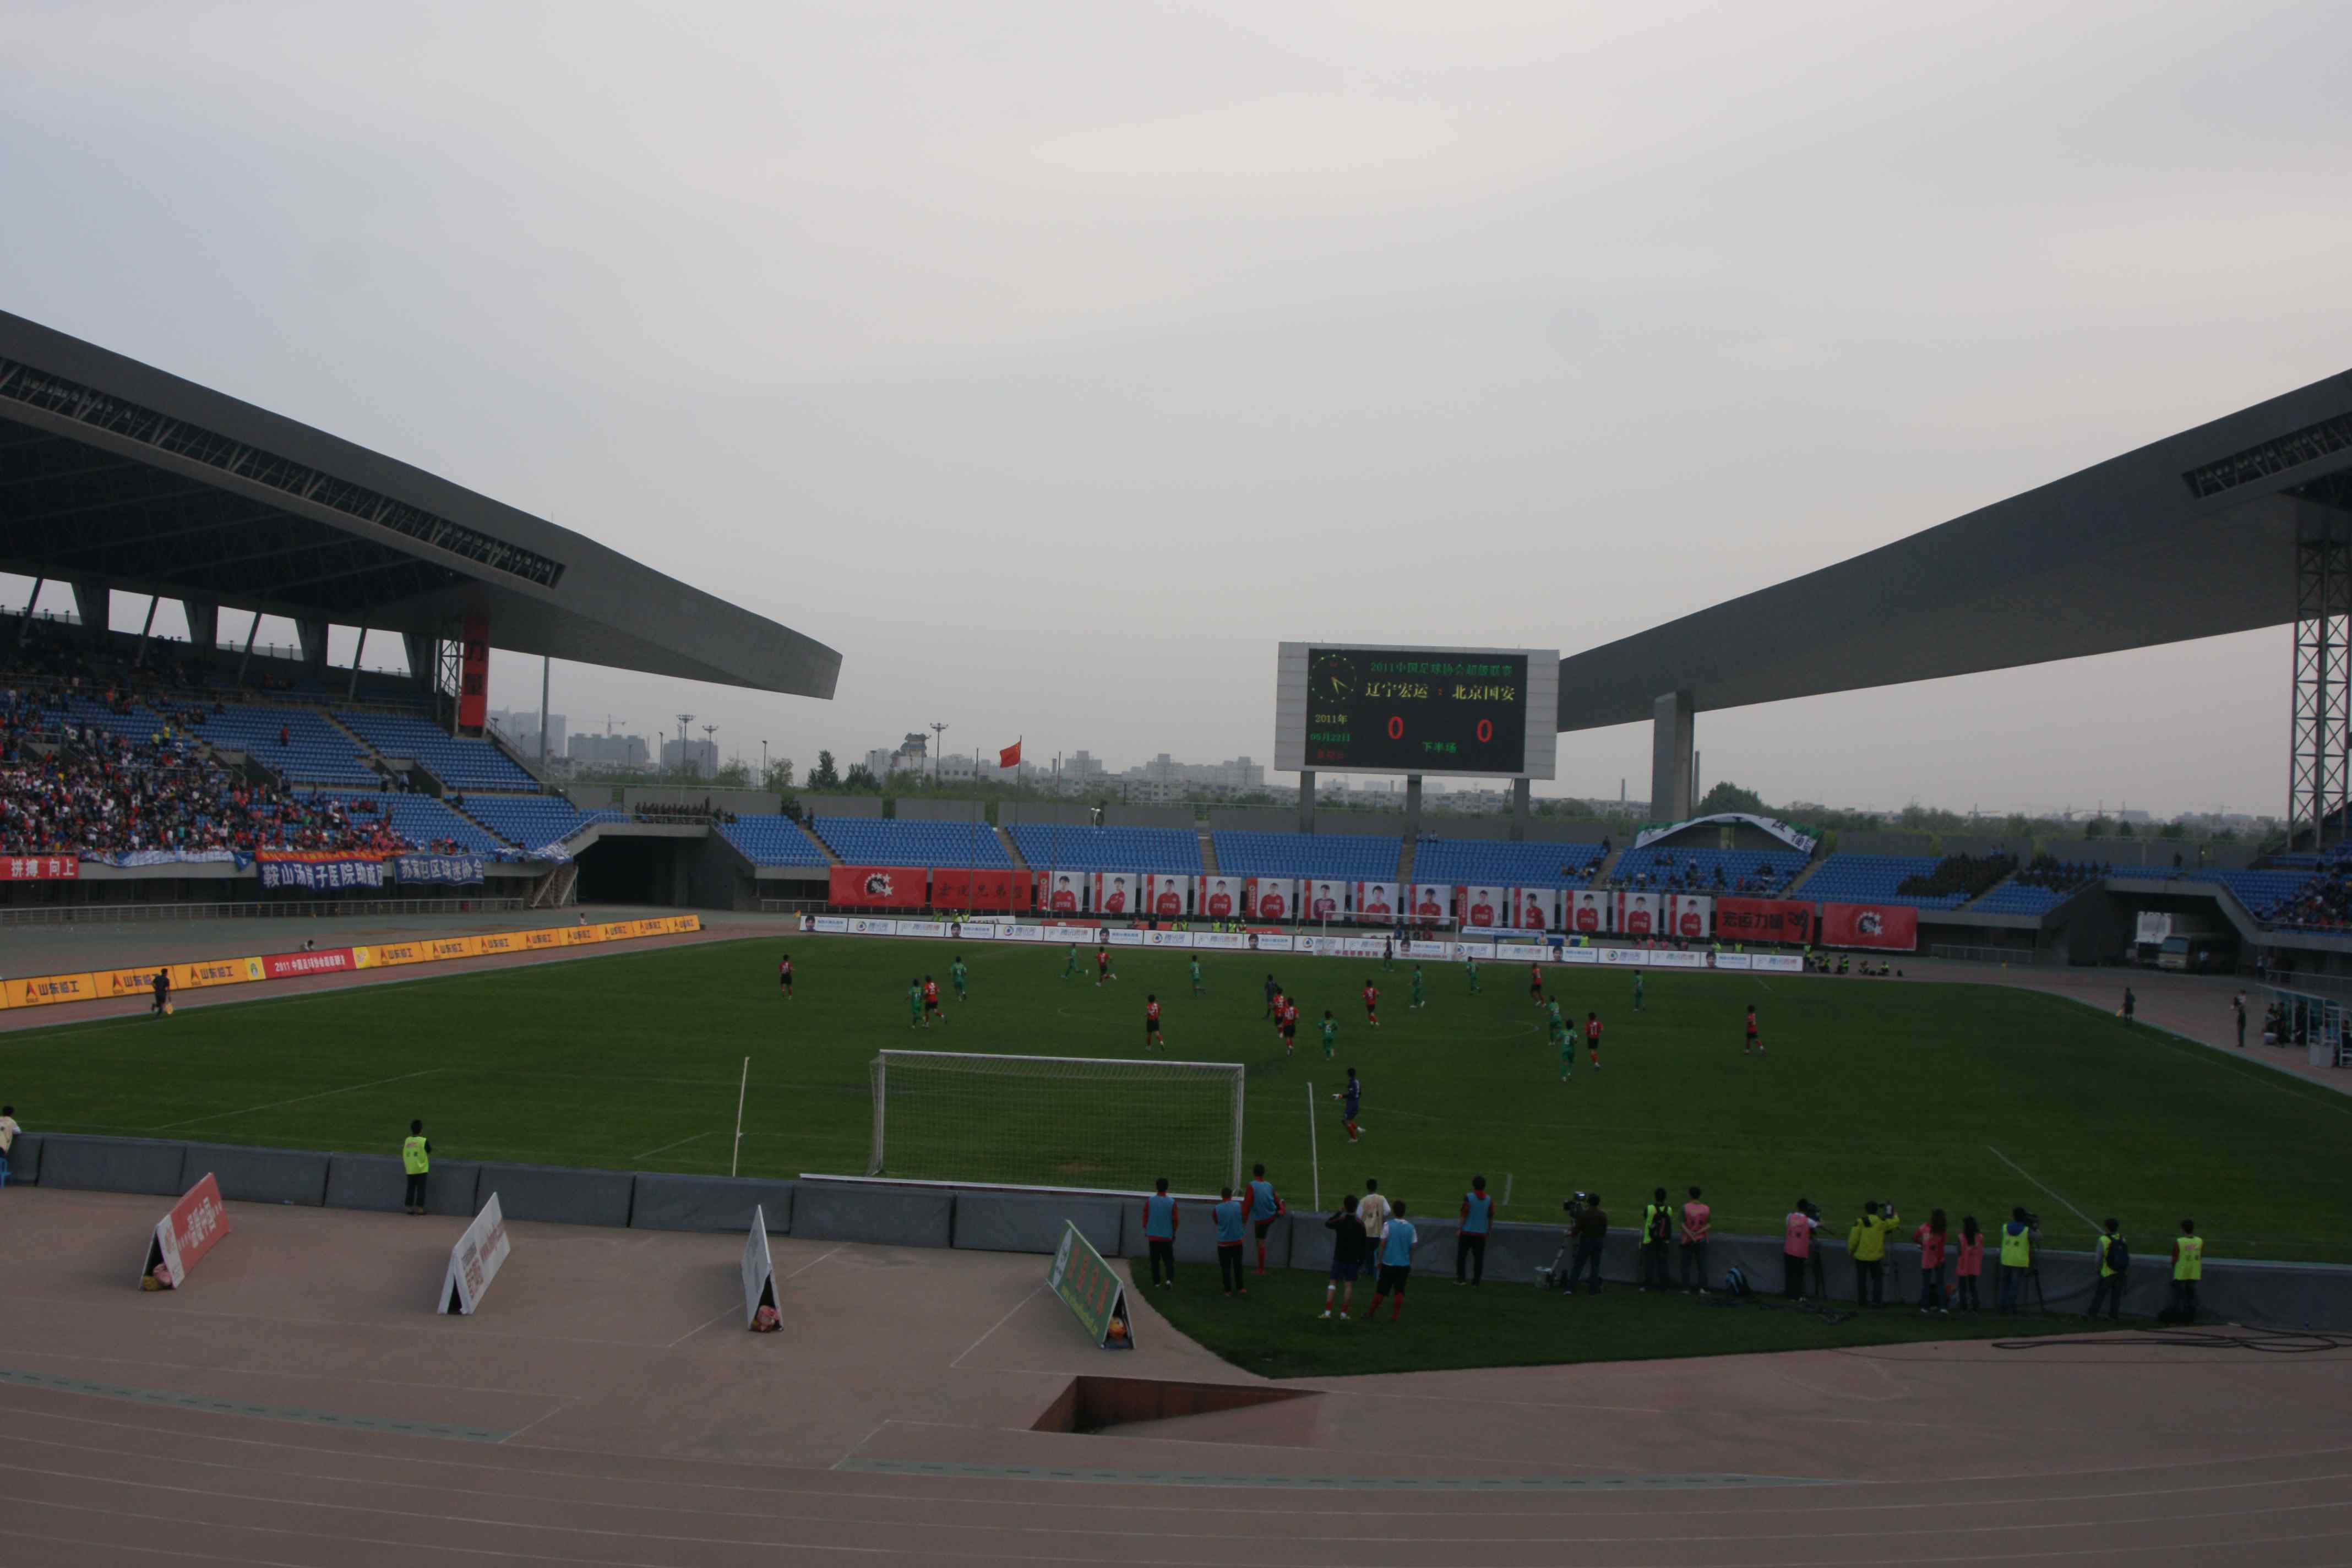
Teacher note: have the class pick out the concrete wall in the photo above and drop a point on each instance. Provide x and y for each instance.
(1178, 817)
(2281, 1295)
(1066, 813)
(628, 797)
(1254, 819)
(868, 806)
(924, 808)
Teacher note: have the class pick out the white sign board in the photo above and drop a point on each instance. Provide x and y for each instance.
(474, 1261)
(758, 1269)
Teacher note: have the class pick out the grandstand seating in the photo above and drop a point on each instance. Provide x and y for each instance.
(1340, 856)
(772, 841)
(871, 841)
(1169, 852)
(1493, 863)
(2266, 894)
(460, 763)
(314, 751)
(534, 821)
(1755, 872)
(2012, 897)
(419, 818)
(1873, 879)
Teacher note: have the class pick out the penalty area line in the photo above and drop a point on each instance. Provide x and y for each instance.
(2037, 1181)
(301, 1098)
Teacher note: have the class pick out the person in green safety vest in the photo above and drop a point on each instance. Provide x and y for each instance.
(2017, 1238)
(2188, 1267)
(1865, 1242)
(416, 1159)
(2115, 1260)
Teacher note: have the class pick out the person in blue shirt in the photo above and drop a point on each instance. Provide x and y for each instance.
(1231, 1216)
(1477, 1222)
(1160, 1230)
(1265, 1206)
(1351, 1100)
(1396, 1263)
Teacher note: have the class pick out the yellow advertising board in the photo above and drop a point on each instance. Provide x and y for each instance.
(453, 947)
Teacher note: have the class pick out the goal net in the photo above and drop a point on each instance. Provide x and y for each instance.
(1056, 1122)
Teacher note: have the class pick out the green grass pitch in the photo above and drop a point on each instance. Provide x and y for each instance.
(1973, 1098)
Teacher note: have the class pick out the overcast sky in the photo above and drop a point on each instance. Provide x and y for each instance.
(1055, 361)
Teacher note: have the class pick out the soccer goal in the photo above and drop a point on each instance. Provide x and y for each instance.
(1083, 1122)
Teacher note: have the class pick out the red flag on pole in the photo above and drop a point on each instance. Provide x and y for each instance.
(1010, 757)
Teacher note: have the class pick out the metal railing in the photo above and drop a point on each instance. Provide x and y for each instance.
(1984, 955)
(275, 909)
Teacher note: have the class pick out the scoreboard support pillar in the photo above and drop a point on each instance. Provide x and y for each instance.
(1411, 808)
(1522, 789)
(1306, 800)
(1672, 764)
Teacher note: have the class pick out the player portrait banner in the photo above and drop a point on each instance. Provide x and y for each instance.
(1063, 893)
(1892, 926)
(879, 886)
(474, 1261)
(1484, 907)
(1763, 919)
(1376, 903)
(1433, 901)
(1638, 913)
(1270, 898)
(1688, 915)
(1592, 913)
(1221, 898)
(1117, 892)
(1325, 900)
(1092, 1290)
(1534, 909)
(183, 1236)
(40, 869)
(1167, 898)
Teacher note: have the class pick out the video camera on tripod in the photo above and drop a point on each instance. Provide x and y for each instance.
(1554, 1277)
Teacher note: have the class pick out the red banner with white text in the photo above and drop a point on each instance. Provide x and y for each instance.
(971, 889)
(880, 886)
(40, 869)
(1894, 926)
(1763, 919)
(319, 961)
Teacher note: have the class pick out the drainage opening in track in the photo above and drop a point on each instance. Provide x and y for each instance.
(1105, 1404)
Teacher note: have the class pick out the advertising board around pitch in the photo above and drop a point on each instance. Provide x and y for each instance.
(1092, 1290)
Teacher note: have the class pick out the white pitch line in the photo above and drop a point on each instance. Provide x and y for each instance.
(301, 1098)
(667, 1147)
(2030, 1176)
(995, 1326)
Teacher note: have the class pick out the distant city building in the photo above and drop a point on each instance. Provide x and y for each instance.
(615, 750)
(522, 730)
(700, 758)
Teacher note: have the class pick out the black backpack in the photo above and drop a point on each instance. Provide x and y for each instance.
(2118, 1257)
(1662, 1225)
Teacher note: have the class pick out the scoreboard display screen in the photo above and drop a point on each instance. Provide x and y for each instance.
(1415, 711)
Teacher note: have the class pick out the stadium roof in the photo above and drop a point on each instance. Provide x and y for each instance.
(115, 474)
(2190, 537)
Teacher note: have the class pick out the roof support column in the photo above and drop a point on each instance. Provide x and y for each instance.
(251, 632)
(424, 655)
(312, 636)
(146, 630)
(204, 625)
(1671, 734)
(1306, 800)
(359, 654)
(95, 606)
(1412, 810)
(25, 627)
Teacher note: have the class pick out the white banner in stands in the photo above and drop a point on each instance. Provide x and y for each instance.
(1579, 955)
(1670, 958)
(474, 1261)
(1270, 942)
(1482, 907)
(1125, 936)
(833, 922)
(923, 927)
(1062, 892)
(1637, 913)
(1117, 892)
(1270, 898)
(1778, 963)
(1168, 939)
(872, 925)
(758, 1269)
(1167, 898)
(1221, 898)
(1689, 916)
(1433, 901)
(1376, 901)
(1534, 909)
(1325, 900)
(1731, 960)
(1589, 912)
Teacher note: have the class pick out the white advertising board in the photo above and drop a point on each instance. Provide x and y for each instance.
(758, 1269)
(474, 1261)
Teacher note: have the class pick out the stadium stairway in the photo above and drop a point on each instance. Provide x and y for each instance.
(1797, 885)
(1605, 874)
(1404, 863)
(1011, 848)
(1208, 853)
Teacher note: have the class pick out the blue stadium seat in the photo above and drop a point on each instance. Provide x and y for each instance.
(772, 841)
(1759, 873)
(314, 751)
(419, 818)
(1872, 879)
(871, 841)
(534, 821)
(2011, 897)
(1491, 863)
(1168, 851)
(1336, 857)
(460, 763)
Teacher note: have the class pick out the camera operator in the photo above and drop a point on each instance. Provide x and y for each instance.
(1591, 1226)
(1866, 1245)
(2017, 1242)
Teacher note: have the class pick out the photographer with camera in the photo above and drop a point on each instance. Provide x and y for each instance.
(2017, 1241)
(1591, 1228)
(1865, 1242)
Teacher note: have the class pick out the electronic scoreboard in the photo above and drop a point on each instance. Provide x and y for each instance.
(1356, 708)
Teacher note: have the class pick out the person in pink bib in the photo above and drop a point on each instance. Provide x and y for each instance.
(1796, 1246)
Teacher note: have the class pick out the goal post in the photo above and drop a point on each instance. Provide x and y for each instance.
(1101, 1122)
